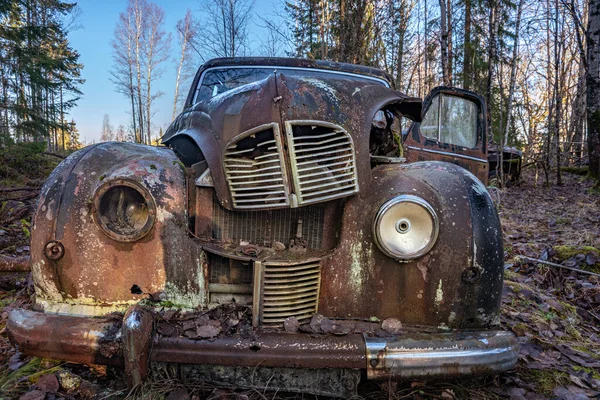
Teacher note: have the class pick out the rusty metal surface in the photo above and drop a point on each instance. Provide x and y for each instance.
(287, 62)
(268, 349)
(136, 332)
(343, 101)
(76, 339)
(442, 355)
(420, 148)
(96, 272)
(408, 356)
(359, 281)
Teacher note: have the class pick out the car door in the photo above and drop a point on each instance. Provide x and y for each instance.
(453, 129)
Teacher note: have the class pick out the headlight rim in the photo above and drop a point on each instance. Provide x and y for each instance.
(389, 204)
(148, 199)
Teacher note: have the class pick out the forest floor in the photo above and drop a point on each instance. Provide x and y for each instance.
(555, 312)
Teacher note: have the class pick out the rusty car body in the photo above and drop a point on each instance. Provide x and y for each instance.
(279, 239)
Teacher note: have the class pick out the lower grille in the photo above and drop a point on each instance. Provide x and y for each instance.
(268, 226)
(290, 291)
(228, 271)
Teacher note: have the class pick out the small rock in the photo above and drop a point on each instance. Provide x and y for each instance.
(2, 232)
(179, 394)
(278, 246)
(291, 325)
(392, 325)
(315, 323)
(33, 395)
(48, 383)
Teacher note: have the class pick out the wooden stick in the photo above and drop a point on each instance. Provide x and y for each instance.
(557, 265)
(14, 264)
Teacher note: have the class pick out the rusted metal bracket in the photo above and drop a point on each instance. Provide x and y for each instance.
(137, 340)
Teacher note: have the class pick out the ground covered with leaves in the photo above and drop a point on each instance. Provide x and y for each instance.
(551, 302)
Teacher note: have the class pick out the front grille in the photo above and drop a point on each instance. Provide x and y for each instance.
(228, 271)
(289, 291)
(322, 159)
(254, 169)
(321, 156)
(268, 226)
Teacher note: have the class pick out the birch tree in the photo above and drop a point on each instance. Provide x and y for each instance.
(186, 33)
(593, 87)
(225, 29)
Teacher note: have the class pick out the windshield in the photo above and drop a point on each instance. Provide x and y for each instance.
(220, 80)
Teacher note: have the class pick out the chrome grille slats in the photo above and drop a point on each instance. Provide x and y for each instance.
(254, 169)
(289, 291)
(322, 160)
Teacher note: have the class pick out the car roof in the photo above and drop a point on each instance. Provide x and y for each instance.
(298, 63)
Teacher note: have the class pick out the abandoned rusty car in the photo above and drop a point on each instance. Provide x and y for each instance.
(300, 229)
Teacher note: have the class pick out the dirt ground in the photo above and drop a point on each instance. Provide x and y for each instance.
(554, 311)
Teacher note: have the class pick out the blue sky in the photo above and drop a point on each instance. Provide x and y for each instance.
(93, 41)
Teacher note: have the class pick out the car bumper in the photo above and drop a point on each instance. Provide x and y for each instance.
(132, 344)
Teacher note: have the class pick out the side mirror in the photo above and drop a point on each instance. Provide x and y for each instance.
(454, 118)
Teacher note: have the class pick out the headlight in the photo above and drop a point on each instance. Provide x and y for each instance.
(124, 210)
(405, 227)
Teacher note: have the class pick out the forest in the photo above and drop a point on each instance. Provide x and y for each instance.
(535, 62)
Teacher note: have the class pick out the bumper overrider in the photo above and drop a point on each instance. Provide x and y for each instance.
(132, 344)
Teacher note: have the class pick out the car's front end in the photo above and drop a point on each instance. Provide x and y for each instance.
(278, 254)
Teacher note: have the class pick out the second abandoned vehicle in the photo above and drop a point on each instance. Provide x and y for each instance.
(295, 233)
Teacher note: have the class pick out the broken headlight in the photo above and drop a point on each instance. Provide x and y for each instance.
(124, 210)
(405, 227)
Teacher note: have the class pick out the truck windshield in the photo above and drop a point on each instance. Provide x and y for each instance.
(220, 80)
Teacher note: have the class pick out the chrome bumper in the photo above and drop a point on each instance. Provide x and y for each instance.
(132, 344)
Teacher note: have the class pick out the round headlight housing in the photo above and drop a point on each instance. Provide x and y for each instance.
(124, 210)
(405, 227)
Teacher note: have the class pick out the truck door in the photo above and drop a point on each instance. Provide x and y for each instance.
(453, 129)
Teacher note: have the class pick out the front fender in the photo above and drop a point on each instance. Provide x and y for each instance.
(457, 284)
(96, 273)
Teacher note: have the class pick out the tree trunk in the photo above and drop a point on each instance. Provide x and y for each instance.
(444, 43)
(468, 48)
(493, 30)
(511, 87)
(449, 40)
(593, 88)
(557, 93)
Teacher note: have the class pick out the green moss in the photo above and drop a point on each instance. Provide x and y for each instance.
(181, 165)
(25, 228)
(548, 379)
(153, 166)
(566, 252)
(595, 373)
(101, 177)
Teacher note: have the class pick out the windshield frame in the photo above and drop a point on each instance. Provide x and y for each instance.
(196, 87)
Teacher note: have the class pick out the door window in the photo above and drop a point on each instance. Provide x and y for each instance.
(451, 119)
